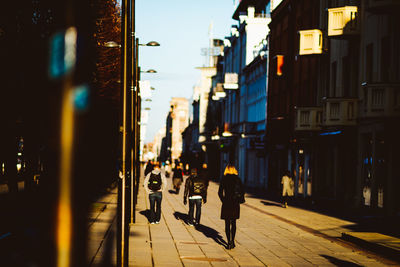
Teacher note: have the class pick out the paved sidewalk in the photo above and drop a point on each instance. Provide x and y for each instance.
(267, 235)
(102, 229)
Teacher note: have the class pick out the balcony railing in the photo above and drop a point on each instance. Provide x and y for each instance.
(340, 111)
(379, 6)
(310, 42)
(343, 21)
(381, 100)
(308, 118)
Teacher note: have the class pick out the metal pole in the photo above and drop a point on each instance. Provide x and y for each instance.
(121, 182)
(128, 133)
(133, 115)
(137, 119)
(139, 110)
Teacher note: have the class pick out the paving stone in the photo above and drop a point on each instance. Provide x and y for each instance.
(264, 237)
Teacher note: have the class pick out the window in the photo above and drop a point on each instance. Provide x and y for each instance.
(333, 77)
(369, 63)
(346, 76)
(385, 59)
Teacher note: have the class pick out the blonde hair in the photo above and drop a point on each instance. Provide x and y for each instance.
(230, 169)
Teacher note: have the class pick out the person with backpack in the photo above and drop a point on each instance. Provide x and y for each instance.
(154, 184)
(231, 194)
(196, 191)
(177, 177)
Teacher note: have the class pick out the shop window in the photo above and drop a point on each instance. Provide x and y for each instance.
(380, 168)
(367, 168)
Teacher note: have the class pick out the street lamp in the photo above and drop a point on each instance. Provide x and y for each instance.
(151, 43)
(136, 115)
(149, 71)
(112, 44)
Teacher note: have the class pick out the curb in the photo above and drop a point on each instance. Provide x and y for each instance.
(375, 242)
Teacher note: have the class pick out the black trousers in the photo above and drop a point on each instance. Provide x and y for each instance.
(155, 206)
(197, 203)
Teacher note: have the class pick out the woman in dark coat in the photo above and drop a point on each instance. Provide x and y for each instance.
(231, 194)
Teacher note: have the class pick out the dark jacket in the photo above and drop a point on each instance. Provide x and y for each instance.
(178, 173)
(189, 187)
(230, 203)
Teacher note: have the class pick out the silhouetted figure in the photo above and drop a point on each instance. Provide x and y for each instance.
(204, 172)
(231, 194)
(177, 178)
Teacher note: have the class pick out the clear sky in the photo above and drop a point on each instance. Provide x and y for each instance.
(182, 28)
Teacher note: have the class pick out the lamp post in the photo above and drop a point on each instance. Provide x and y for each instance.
(136, 114)
(127, 63)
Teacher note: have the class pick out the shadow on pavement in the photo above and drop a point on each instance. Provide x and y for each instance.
(145, 213)
(181, 216)
(172, 192)
(339, 262)
(271, 203)
(211, 233)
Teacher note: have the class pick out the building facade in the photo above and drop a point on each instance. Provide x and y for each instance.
(180, 120)
(333, 102)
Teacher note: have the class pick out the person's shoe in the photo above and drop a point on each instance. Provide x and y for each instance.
(190, 223)
(283, 206)
(228, 246)
(286, 205)
(233, 244)
(157, 222)
(152, 223)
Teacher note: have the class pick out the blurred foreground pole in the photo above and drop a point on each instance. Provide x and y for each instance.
(71, 140)
(124, 181)
(121, 181)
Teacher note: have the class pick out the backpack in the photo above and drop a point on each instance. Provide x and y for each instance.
(238, 194)
(198, 186)
(155, 182)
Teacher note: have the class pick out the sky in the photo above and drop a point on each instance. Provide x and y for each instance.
(182, 29)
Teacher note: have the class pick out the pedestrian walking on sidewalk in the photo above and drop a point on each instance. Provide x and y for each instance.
(204, 172)
(196, 190)
(154, 184)
(287, 188)
(231, 194)
(177, 177)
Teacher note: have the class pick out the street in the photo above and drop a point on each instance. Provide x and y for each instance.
(267, 235)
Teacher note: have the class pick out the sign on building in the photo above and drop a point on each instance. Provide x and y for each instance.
(231, 81)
